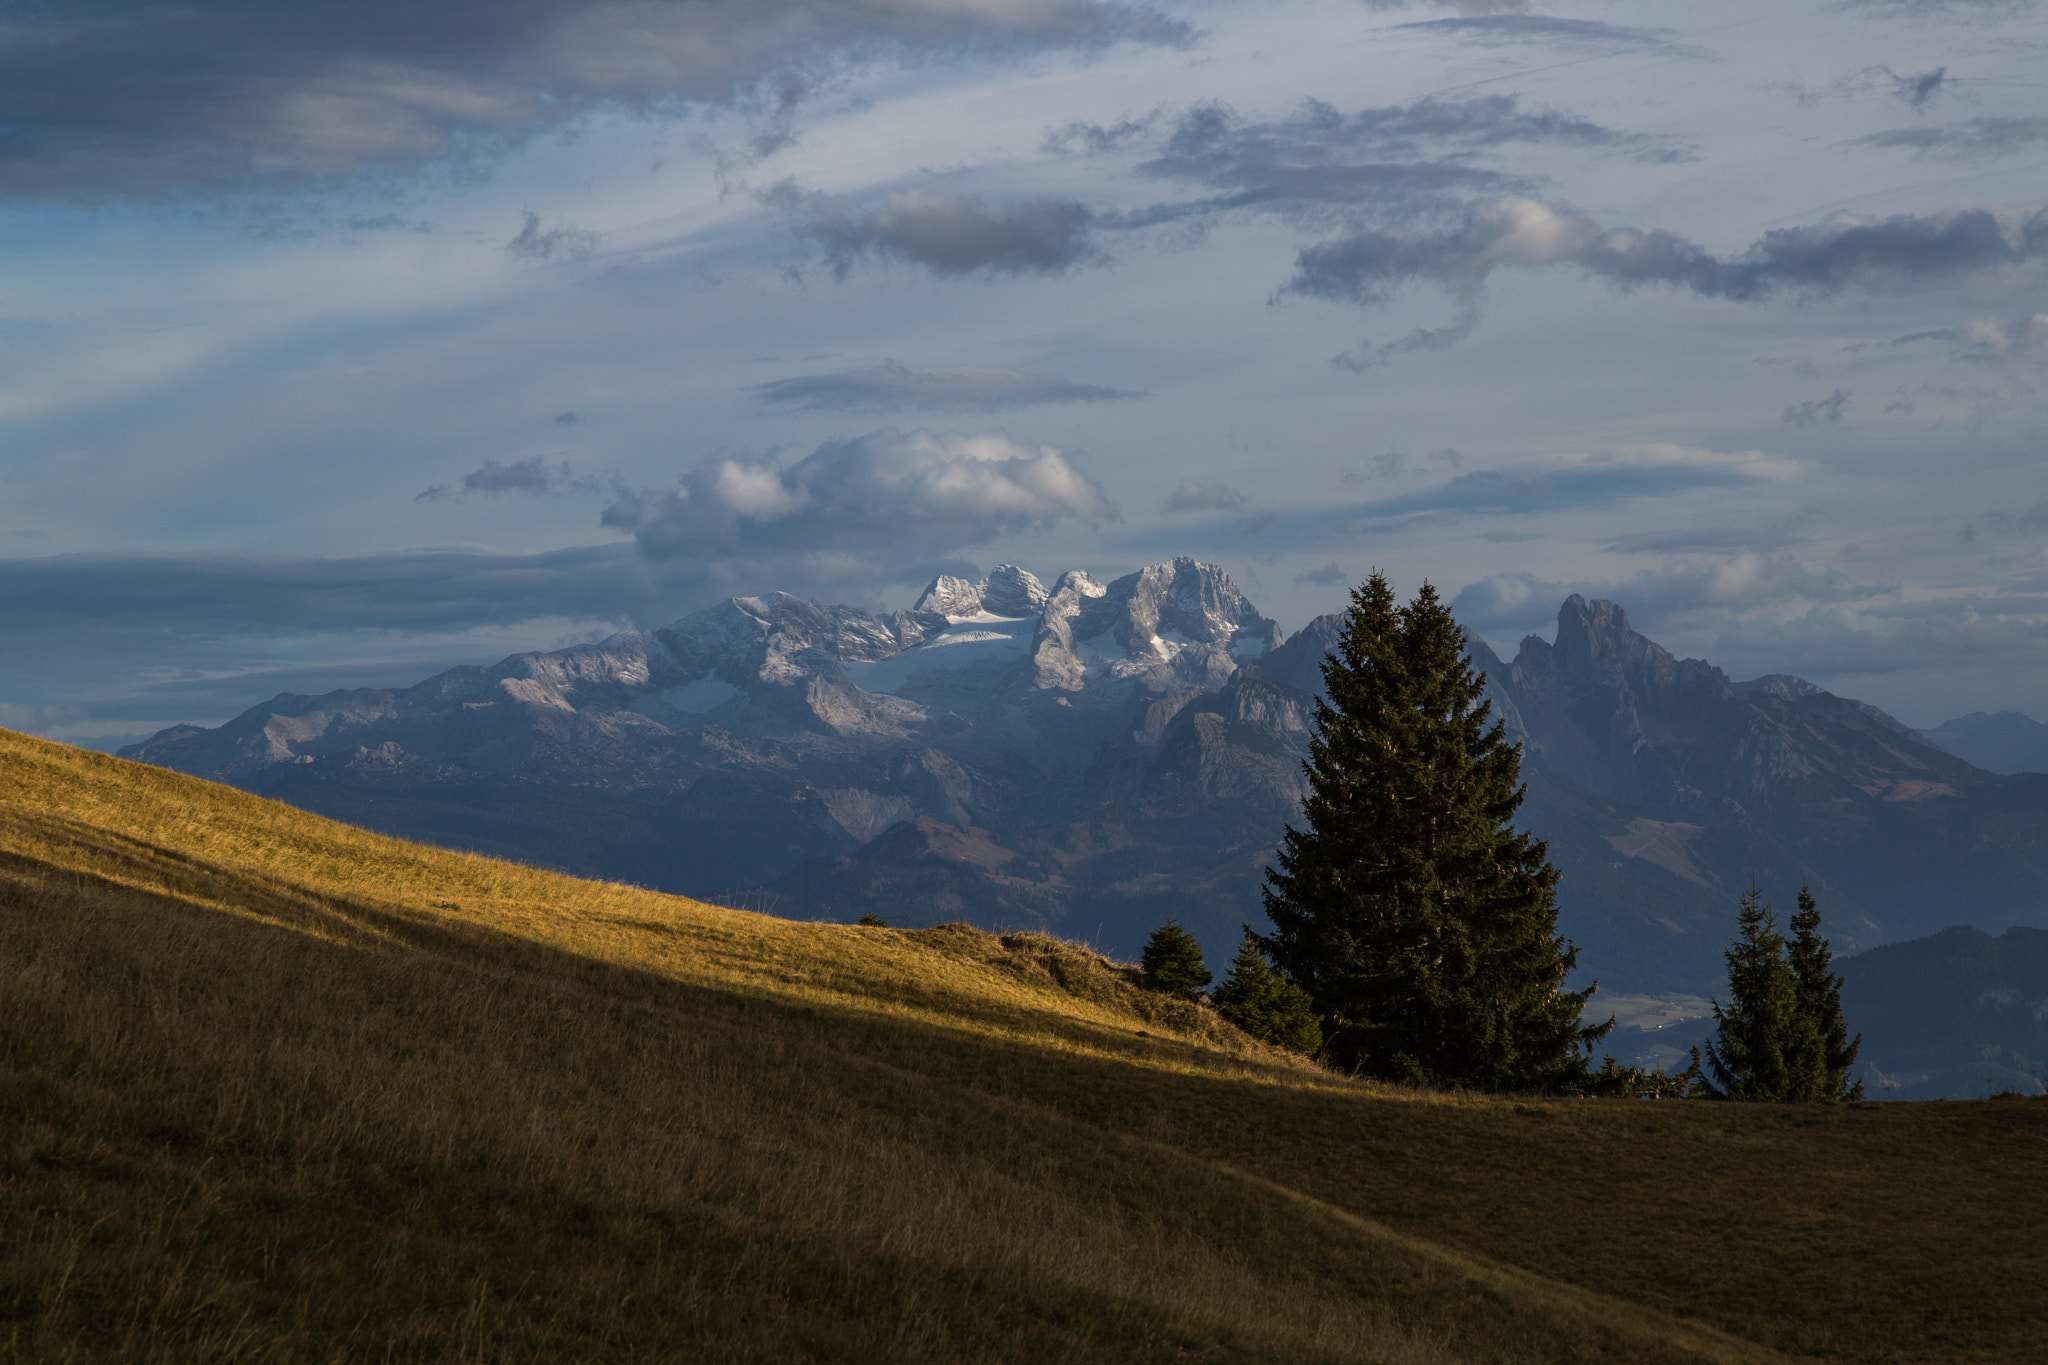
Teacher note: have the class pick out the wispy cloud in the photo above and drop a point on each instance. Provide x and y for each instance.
(1190, 496)
(952, 388)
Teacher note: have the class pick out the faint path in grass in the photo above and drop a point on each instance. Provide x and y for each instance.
(1600, 1313)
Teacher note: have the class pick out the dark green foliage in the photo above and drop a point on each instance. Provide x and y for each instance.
(1820, 1004)
(1266, 1004)
(1173, 959)
(1781, 1035)
(874, 921)
(1422, 924)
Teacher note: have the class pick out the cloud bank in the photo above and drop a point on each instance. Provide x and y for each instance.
(1838, 253)
(133, 99)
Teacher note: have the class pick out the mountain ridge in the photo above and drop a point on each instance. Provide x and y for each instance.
(1119, 752)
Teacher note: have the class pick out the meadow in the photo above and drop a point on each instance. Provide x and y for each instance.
(273, 1088)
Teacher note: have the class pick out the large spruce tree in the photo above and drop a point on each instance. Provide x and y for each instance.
(1422, 924)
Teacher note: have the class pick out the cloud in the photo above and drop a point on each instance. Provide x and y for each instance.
(960, 235)
(1593, 480)
(1918, 87)
(955, 388)
(1544, 28)
(1979, 139)
(1828, 409)
(1739, 583)
(1727, 539)
(1096, 138)
(568, 243)
(1838, 253)
(149, 596)
(1190, 496)
(1327, 576)
(1390, 162)
(882, 495)
(532, 475)
(133, 99)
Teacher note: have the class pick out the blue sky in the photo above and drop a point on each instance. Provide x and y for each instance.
(340, 343)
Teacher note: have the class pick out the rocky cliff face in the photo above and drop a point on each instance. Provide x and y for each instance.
(1096, 756)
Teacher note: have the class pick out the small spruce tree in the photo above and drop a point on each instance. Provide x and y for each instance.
(1820, 1005)
(1173, 959)
(1782, 1036)
(1762, 1047)
(1266, 1004)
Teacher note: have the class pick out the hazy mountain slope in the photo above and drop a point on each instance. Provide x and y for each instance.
(1958, 1014)
(279, 1088)
(2001, 742)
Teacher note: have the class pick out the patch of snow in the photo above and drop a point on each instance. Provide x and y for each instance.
(980, 639)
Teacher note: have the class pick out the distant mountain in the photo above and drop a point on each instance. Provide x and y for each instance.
(1957, 1015)
(1091, 758)
(1999, 742)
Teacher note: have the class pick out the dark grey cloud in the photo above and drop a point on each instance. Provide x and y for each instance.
(957, 388)
(1636, 472)
(1190, 496)
(146, 597)
(960, 235)
(1544, 28)
(1837, 253)
(534, 475)
(1917, 87)
(1806, 414)
(1096, 138)
(879, 496)
(1978, 139)
(568, 243)
(1394, 161)
(129, 98)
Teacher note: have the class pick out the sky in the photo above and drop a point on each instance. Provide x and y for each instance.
(342, 343)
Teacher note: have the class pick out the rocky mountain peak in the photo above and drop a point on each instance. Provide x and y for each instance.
(950, 596)
(1006, 591)
(1594, 639)
(1011, 591)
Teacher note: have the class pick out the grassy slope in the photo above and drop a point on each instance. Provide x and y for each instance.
(274, 1088)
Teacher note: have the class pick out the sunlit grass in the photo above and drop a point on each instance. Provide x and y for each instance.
(275, 1088)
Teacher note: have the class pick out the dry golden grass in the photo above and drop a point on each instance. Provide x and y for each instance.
(272, 1088)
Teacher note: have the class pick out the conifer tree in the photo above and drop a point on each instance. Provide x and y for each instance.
(1421, 923)
(1173, 959)
(1820, 1006)
(1782, 1035)
(1266, 1004)
(1762, 1047)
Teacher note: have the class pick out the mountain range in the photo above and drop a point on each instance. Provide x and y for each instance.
(1091, 758)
